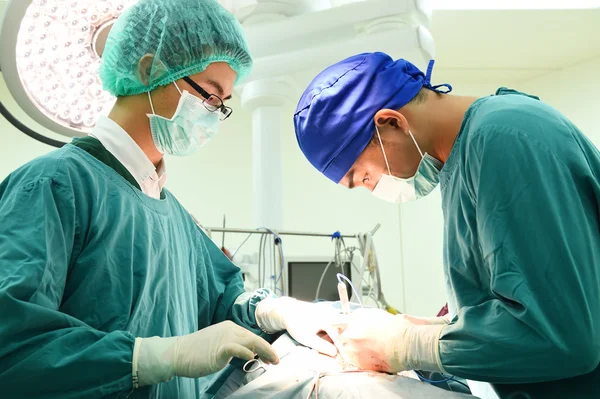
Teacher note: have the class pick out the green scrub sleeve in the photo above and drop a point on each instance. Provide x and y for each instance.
(537, 222)
(45, 353)
(233, 302)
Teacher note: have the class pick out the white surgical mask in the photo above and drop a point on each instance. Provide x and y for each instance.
(191, 127)
(394, 189)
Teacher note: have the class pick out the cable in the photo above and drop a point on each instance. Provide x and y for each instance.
(275, 279)
(241, 245)
(269, 231)
(338, 248)
(260, 261)
(279, 244)
(272, 274)
(361, 241)
(350, 250)
(376, 271)
(352, 263)
(265, 260)
(29, 132)
(321, 279)
(262, 258)
(366, 250)
(335, 236)
(336, 257)
(451, 378)
(263, 251)
(370, 293)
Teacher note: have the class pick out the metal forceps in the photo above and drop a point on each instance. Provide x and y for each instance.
(248, 366)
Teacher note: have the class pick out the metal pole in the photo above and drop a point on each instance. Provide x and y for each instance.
(281, 233)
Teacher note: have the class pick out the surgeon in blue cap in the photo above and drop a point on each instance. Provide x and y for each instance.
(520, 193)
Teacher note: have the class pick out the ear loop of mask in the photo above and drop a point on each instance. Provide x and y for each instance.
(416, 145)
(178, 89)
(150, 98)
(382, 150)
(151, 105)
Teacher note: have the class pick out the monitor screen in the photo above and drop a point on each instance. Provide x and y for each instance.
(304, 276)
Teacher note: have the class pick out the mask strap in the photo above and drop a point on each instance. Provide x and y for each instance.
(382, 150)
(151, 105)
(415, 141)
(150, 98)
(178, 88)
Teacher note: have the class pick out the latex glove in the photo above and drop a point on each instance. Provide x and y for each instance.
(377, 340)
(195, 355)
(302, 320)
(426, 320)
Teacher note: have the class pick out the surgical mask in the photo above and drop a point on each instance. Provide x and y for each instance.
(191, 127)
(394, 189)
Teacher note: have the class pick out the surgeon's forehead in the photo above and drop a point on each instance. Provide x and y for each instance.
(211, 79)
(217, 88)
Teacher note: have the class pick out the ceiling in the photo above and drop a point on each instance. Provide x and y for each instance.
(479, 46)
(482, 46)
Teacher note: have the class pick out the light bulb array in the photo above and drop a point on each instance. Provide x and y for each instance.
(57, 62)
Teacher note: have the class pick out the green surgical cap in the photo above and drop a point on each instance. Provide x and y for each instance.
(183, 36)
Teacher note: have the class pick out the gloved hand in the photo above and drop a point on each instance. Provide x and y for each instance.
(376, 340)
(302, 320)
(423, 321)
(195, 355)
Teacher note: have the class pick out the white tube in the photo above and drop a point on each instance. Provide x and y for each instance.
(344, 297)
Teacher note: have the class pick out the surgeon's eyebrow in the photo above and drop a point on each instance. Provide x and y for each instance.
(351, 179)
(219, 88)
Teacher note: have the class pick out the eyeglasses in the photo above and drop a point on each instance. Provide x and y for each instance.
(211, 102)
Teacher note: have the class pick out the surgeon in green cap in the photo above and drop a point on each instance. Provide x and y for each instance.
(107, 286)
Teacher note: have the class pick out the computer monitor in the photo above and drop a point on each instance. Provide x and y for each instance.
(303, 275)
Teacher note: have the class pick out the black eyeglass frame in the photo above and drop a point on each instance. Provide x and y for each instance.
(225, 110)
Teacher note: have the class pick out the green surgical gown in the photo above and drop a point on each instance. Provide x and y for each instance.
(521, 195)
(87, 263)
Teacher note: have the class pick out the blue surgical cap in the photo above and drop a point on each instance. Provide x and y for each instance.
(334, 119)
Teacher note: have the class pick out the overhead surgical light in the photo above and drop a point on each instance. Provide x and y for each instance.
(51, 51)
